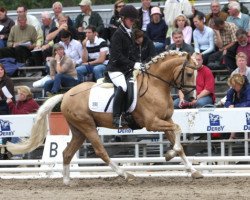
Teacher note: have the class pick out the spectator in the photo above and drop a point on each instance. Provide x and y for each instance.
(33, 21)
(179, 43)
(72, 47)
(122, 60)
(54, 33)
(95, 55)
(242, 68)
(86, 18)
(204, 88)
(5, 25)
(144, 15)
(225, 37)
(243, 8)
(25, 103)
(46, 26)
(203, 38)
(238, 95)
(57, 8)
(235, 16)
(195, 12)
(62, 72)
(115, 20)
(182, 23)
(145, 47)
(21, 41)
(172, 9)
(5, 81)
(157, 30)
(242, 45)
(215, 13)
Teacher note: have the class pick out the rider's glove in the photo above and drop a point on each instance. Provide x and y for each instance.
(138, 66)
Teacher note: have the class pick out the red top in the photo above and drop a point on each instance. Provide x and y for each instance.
(205, 80)
(23, 107)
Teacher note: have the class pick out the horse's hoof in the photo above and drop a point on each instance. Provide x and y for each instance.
(170, 154)
(129, 177)
(66, 181)
(196, 175)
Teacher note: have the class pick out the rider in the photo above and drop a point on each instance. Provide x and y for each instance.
(122, 60)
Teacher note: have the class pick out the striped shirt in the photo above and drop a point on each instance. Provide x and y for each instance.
(94, 49)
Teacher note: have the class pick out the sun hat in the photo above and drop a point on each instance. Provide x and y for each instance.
(155, 10)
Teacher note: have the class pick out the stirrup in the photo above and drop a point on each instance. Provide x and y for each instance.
(119, 121)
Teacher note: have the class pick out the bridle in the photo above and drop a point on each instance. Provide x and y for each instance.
(173, 83)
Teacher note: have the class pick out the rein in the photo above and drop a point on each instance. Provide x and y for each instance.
(179, 87)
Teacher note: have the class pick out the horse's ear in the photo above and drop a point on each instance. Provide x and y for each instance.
(188, 56)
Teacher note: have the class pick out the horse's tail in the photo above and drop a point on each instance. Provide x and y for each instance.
(39, 129)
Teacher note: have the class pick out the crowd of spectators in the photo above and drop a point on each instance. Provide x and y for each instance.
(73, 50)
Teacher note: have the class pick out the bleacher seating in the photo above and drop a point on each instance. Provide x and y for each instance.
(221, 86)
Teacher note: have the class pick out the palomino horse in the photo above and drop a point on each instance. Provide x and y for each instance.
(153, 110)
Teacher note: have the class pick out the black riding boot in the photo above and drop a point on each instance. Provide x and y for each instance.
(118, 108)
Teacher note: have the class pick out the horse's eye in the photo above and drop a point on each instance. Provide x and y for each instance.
(189, 74)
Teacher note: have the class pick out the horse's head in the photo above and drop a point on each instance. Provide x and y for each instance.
(185, 74)
(174, 68)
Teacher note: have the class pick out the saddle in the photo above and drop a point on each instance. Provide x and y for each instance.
(102, 95)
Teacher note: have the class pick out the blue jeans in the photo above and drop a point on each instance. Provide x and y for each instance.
(97, 70)
(159, 47)
(201, 102)
(3, 43)
(60, 80)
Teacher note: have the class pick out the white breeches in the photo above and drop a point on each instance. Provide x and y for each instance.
(118, 79)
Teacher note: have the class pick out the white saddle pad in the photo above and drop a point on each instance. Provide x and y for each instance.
(99, 97)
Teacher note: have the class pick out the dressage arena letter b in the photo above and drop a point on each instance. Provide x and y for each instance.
(53, 149)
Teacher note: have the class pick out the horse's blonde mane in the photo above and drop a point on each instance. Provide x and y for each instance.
(162, 55)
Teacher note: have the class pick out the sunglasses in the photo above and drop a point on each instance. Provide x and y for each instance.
(120, 6)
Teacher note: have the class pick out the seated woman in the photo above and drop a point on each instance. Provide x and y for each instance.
(181, 22)
(62, 72)
(157, 30)
(238, 95)
(115, 20)
(203, 38)
(25, 103)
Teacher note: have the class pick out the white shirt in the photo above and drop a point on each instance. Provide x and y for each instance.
(145, 19)
(73, 50)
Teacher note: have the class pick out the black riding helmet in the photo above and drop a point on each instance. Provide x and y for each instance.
(129, 11)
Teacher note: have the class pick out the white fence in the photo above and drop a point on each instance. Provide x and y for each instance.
(191, 121)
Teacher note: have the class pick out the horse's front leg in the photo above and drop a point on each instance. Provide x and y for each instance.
(174, 138)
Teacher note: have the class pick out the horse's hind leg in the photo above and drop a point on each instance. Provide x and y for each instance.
(101, 152)
(174, 138)
(68, 153)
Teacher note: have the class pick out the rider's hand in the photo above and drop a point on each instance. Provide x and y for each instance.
(138, 66)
